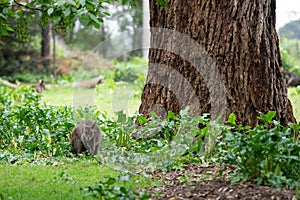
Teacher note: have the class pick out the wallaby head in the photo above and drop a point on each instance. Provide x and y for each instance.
(89, 130)
(40, 87)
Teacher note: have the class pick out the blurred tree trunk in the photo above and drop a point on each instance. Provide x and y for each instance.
(239, 38)
(45, 51)
(102, 38)
(138, 23)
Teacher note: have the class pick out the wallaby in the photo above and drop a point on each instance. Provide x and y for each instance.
(86, 136)
(41, 87)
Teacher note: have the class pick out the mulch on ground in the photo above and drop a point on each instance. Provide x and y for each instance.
(197, 182)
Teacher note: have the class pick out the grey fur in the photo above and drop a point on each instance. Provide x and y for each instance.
(86, 136)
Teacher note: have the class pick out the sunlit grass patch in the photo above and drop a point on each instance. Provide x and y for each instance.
(294, 96)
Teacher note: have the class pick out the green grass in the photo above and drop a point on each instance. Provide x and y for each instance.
(111, 98)
(57, 182)
(108, 98)
(42, 182)
(294, 97)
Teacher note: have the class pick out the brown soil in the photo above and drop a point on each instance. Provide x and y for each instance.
(198, 182)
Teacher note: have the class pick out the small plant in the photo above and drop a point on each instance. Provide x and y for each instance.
(126, 74)
(134, 70)
(271, 156)
(109, 189)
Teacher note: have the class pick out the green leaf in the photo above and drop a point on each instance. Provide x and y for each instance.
(235, 179)
(50, 11)
(185, 111)
(171, 115)
(267, 117)
(6, 10)
(83, 22)
(93, 17)
(82, 2)
(106, 13)
(89, 6)
(3, 32)
(67, 12)
(163, 3)
(229, 137)
(2, 16)
(72, 2)
(123, 190)
(96, 25)
(111, 181)
(142, 120)
(57, 20)
(121, 117)
(259, 180)
(232, 119)
(8, 28)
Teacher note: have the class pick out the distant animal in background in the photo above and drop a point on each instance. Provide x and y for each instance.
(86, 136)
(40, 87)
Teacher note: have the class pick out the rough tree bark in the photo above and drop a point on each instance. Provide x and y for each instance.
(240, 38)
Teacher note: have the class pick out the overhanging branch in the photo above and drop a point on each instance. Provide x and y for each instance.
(27, 7)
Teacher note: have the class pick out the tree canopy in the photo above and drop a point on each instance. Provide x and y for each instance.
(62, 14)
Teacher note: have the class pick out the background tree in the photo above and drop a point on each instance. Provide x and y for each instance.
(45, 51)
(291, 30)
(240, 38)
(19, 18)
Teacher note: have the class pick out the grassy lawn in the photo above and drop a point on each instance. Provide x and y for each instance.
(42, 182)
(108, 99)
(120, 97)
(57, 182)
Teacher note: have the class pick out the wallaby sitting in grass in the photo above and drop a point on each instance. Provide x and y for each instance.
(40, 87)
(86, 136)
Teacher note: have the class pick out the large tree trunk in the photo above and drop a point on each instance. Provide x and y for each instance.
(219, 57)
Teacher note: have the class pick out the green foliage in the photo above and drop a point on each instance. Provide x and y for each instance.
(291, 30)
(298, 90)
(109, 190)
(289, 50)
(86, 38)
(34, 132)
(18, 56)
(31, 129)
(134, 70)
(30, 77)
(61, 14)
(157, 144)
(127, 74)
(271, 156)
(6, 28)
(163, 3)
